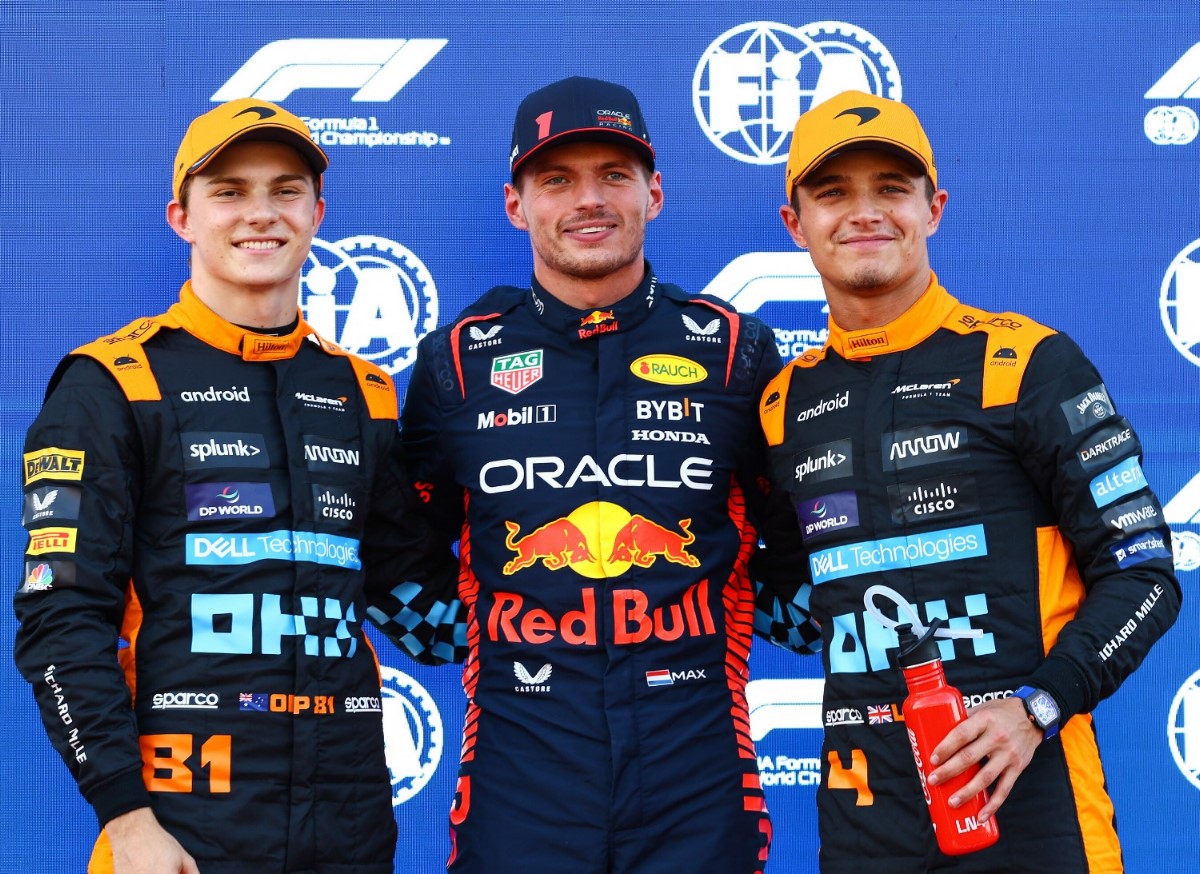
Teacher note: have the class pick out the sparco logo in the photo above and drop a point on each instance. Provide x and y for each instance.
(824, 462)
(212, 393)
(844, 716)
(185, 701)
(837, 402)
(362, 704)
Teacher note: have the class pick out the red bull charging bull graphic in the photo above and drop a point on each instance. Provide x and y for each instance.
(599, 539)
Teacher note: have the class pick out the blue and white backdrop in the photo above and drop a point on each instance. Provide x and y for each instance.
(1066, 133)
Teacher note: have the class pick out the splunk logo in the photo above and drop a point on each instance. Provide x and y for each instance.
(248, 623)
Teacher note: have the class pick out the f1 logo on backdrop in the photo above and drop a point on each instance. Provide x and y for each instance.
(371, 296)
(377, 68)
(754, 80)
(1175, 125)
(777, 705)
(1184, 509)
(755, 279)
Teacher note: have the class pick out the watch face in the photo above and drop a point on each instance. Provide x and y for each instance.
(1043, 707)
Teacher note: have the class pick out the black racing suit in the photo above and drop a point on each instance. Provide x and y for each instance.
(596, 466)
(212, 514)
(974, 463)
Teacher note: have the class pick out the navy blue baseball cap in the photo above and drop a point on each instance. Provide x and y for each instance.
(578, 108)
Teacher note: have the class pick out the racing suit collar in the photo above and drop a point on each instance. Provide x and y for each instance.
(907, 330)
(589, 323)
(197, 319)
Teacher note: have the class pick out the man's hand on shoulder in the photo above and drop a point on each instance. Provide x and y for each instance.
(141, 846)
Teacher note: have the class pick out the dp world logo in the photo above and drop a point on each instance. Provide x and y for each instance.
(755, 80)
(1183, 729)
(371, 296)
(412, 733)
(1179, 303)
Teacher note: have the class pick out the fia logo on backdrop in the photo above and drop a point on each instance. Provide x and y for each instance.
(754, 80)
(412, 733)
(371, 296)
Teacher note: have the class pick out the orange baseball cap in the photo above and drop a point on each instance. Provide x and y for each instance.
(244, 118)
(856, 120)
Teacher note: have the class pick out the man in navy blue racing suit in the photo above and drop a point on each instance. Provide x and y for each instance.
(975, 464)
(592, 442)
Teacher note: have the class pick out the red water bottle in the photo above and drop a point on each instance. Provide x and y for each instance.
(932, 708)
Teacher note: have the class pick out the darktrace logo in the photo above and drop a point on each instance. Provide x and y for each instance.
(863, 113)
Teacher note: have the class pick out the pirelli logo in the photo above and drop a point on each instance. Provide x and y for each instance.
(53, 463)
(45, 540)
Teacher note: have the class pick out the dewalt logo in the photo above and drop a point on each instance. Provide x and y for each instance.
(53, 463)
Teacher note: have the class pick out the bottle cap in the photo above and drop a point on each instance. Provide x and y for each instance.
(918, 650)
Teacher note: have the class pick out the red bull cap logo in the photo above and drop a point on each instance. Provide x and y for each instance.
(597, 317)
(599, 540)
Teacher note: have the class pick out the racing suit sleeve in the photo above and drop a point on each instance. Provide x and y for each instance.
(779, 568)
(421, 614)
(1086, 460)
(83, 447)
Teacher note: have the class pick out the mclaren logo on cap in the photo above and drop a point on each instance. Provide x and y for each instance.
(864, 113)
(263, 111)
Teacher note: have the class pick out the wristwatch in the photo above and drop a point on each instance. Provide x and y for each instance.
(1042, 709)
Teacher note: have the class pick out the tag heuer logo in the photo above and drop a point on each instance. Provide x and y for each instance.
(515, 373)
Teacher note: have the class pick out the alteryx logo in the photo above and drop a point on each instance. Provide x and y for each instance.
(1117, 482)
(915, 550)
(376, 68)
(283, 545)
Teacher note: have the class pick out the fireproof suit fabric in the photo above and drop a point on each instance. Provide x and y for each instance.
(229, 504)
(596, 466)
(975, 463)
